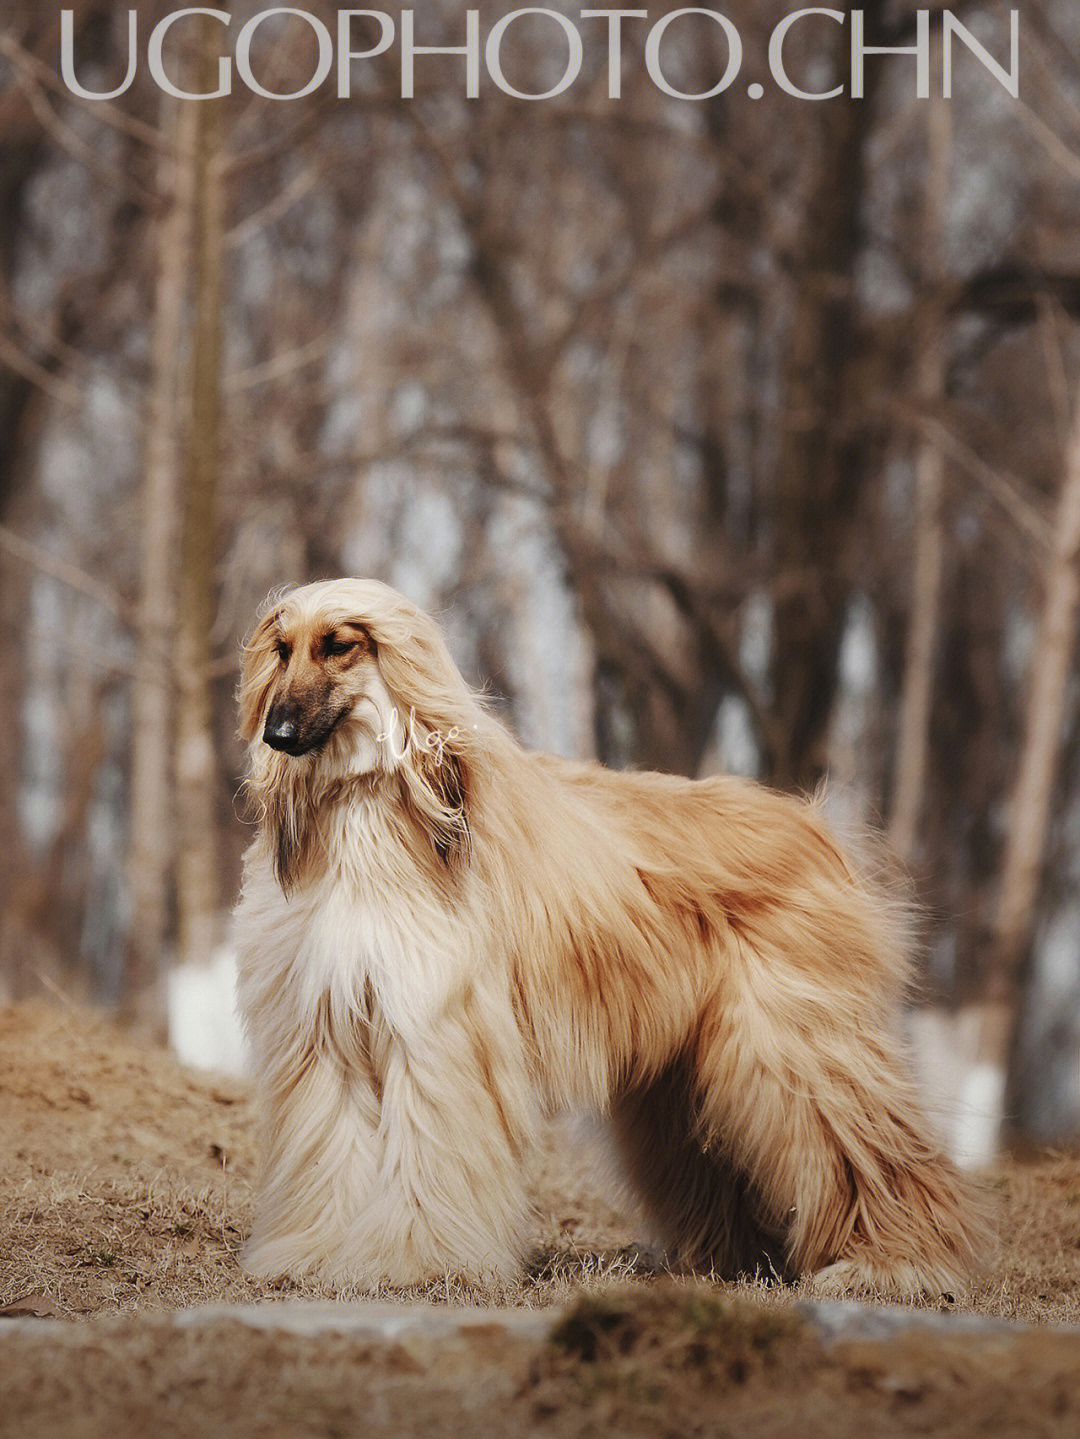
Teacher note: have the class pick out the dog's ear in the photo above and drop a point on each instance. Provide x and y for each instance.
(438, 787)
(452, 842)
(258, 666)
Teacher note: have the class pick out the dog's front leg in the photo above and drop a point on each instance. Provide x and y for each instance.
(455, 1120)
(320, 1157)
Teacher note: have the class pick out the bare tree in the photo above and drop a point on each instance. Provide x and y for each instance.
(818, 466)
(928, 563)
(1045, 735)
(152, 845)
(198, 897)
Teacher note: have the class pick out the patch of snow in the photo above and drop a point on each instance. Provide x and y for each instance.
(978, 1118)
(736, 746)
(937, 1060)
(204, 1023)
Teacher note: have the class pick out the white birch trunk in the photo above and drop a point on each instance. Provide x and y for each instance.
(198, 899)
(913, 736)
(151, 852)
(1033, 794)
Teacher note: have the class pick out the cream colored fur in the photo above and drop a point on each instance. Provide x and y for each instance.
(442, 935)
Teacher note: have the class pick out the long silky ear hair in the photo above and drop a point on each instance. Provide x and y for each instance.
(450, 739)
(258, 666)
(285, 807)
(436, 775)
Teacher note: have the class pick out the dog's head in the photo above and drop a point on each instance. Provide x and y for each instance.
(310, 670)
(347, 678)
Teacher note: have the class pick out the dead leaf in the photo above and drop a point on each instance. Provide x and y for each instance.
(31, 1306)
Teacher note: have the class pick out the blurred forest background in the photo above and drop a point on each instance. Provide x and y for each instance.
(726, 435)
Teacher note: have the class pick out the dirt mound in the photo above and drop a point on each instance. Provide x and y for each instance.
(125, 1186)
(125, 1183)
(125, 1180)
(659, 1361)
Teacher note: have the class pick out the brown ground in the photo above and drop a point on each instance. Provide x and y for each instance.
(124, 1187)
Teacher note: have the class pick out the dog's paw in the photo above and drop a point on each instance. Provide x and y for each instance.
(865, 1276)
(281, 1259)
(839, 1280)
(417, 1271)
(266, 1261)
(367, 1261)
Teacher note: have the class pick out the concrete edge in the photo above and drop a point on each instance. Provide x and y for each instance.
(384, 1321)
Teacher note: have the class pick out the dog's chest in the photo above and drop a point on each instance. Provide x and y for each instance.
(367, 925)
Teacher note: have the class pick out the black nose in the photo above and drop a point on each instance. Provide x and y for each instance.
(282, 733)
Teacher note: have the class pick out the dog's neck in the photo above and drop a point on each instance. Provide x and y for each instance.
(313, 823)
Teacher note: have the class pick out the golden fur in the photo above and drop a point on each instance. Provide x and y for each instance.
(442, 935)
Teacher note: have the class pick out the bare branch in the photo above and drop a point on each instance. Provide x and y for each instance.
(66, 137)
(66, 573)
(692, 600)
(30, 369)
(656, 249)
(1049, 314)
(1003, 489)
(278, 366)
(283, 201)
(105, 110)
(1063, 155)
(42, 336)
(285, 142)
(1037, 47)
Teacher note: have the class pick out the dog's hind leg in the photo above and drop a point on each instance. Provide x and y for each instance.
(811, 1097)
(700, 1207)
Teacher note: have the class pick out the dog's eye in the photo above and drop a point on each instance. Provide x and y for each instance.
(334, 646)
(283, 651)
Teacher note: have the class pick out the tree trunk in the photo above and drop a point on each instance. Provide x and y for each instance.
(151, 852)
(814, 485)
(198, 900)
(1033, 794)
(913, 737)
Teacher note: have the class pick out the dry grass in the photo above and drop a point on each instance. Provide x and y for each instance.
(125, 1182)
(125, 1185)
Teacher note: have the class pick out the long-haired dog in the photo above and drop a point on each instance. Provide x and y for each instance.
(441, 936)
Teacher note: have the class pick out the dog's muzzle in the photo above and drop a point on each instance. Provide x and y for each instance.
(294, 728)
(283, 730)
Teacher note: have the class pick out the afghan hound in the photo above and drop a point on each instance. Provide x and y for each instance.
(442, 936)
